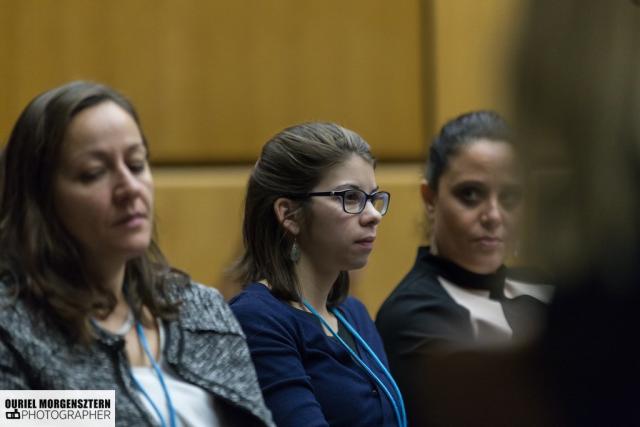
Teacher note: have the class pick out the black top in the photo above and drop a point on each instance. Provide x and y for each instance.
(441, 307)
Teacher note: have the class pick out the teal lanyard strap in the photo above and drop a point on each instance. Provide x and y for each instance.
(364, 344)
(165, 389)
(398, 409)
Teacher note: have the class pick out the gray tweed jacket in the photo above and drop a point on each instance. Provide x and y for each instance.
(205, 346)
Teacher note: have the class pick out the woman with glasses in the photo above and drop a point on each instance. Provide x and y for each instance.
(458, 292)
(87, 301)
(311, 214)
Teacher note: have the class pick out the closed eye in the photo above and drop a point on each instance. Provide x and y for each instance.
(91, 175)
(137, 167)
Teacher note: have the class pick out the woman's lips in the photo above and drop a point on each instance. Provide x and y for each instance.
(366, 243)
(132, 221)
(488, 242)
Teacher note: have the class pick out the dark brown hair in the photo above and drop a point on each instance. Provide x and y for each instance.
(293, 161)
(458, 132)
(39, 257)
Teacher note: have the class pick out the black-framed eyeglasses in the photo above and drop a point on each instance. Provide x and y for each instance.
(353, 201)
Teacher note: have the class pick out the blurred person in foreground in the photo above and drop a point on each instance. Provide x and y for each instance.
(87, 300)
(577, 92)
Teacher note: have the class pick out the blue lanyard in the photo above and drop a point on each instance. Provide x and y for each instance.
(398, 405)
(156, 368)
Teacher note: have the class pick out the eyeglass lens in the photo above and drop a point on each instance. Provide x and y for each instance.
(355, 201)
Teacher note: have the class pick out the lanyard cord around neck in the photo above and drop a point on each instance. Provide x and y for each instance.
(364, 344)
(398, 406)
(165, 389)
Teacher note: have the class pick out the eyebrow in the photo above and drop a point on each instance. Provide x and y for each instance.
(105, 154)
(482, 184)
(349, 186)
(470, 182)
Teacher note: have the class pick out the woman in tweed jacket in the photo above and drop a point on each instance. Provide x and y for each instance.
(87, 300)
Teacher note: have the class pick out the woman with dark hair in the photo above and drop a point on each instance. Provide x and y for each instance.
(311, 212)
(87, 299)
(459, 292)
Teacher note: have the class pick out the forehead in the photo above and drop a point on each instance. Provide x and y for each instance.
(355, 171)
(104, 125)
(481, 159)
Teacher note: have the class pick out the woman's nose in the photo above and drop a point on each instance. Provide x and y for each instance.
(370, 214)
(127, 185)
(492, 215)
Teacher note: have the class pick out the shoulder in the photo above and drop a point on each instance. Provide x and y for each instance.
(357, 312)
(257, 304)
(419, 306)
(14, 313)
(26, 330)
(419, 290)
(7, 294)
(195, 293)
(421, 280)
(422, 277)
(355, 307)
(253, 293)
(264, 317)
(196, 296)
(529, 281)
(202, 306)
(258, 299)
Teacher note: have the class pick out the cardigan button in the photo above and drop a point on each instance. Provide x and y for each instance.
(374, 391)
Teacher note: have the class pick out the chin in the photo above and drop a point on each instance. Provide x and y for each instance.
(135, 249)
(357, 264)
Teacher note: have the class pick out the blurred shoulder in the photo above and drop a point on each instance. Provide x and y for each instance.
(191, 292)
(181, 287)
(19, 319)
(202, 306)
(11, 305)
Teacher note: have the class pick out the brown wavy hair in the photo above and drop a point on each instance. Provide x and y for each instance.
(293, 161)
(40, 260)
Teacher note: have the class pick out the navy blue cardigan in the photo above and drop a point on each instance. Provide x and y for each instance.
(308, 378)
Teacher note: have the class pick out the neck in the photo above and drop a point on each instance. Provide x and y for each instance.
(111, 278)
(433, 247)
(117, 321)
(315, 285)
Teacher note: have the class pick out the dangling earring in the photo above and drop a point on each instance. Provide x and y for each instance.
(294, 255)
(516, 250)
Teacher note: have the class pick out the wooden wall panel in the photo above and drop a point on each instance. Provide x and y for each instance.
(200, 216)
(472, 44)
(199, 220)
(214, 79)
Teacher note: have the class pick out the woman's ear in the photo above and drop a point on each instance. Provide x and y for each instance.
(285, 210)
(429, 197)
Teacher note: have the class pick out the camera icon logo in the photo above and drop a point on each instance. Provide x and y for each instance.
(14, 415)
